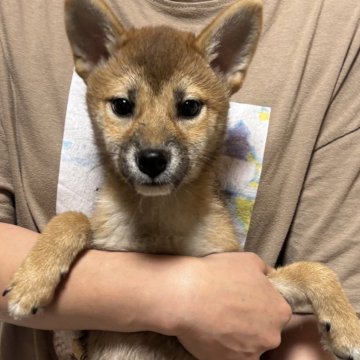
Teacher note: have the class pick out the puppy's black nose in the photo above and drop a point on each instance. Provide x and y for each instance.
(152, 162)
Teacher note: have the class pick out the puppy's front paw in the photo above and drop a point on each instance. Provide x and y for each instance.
(342, 338)
(32, 288)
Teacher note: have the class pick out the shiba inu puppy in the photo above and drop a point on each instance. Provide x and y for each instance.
(158, 99)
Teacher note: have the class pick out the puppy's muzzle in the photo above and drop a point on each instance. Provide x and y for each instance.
(152, 162)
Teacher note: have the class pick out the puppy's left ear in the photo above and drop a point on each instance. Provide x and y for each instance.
(94, 32)
(230, 40)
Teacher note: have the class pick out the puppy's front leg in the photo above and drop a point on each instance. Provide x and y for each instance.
(34, 283)
(317, 285)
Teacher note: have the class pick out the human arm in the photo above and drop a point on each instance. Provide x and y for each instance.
(93, 297)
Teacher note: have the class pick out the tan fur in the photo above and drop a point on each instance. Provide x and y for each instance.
(158, 69)
(71, 229)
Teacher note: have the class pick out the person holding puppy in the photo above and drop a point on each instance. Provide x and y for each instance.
(111, 297)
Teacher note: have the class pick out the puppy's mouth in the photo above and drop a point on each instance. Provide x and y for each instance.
(154, 189)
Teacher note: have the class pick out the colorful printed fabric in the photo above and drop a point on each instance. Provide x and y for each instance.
(242, 161)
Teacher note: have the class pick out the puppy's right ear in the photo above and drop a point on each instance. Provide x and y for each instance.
(94, 33)
(229, 41)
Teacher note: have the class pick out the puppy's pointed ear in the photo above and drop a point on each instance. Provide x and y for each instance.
(94, 33)
(230, 40)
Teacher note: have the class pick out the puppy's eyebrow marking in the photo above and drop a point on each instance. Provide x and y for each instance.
(132, 95)
(179, 95)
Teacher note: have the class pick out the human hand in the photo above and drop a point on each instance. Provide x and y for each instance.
(231, 311)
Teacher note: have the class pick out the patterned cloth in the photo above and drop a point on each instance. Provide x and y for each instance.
(242, 160)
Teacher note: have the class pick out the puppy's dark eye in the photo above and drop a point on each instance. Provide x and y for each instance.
(189, 108)
(122, 107)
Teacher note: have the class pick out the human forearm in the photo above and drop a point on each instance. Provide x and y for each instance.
(104, 291)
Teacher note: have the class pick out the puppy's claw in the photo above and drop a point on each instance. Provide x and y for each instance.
(34, 310)
(6, 291)
(327, 327)
(344, 358)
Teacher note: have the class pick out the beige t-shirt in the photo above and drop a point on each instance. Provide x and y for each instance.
(306, 69)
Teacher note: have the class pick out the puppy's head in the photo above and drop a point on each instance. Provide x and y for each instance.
(158, 97)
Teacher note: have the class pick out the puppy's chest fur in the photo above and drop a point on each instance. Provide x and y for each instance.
(188, 224)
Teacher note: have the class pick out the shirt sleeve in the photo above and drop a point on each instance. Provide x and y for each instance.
(7, 207)
(6, 190)
(326, 226)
